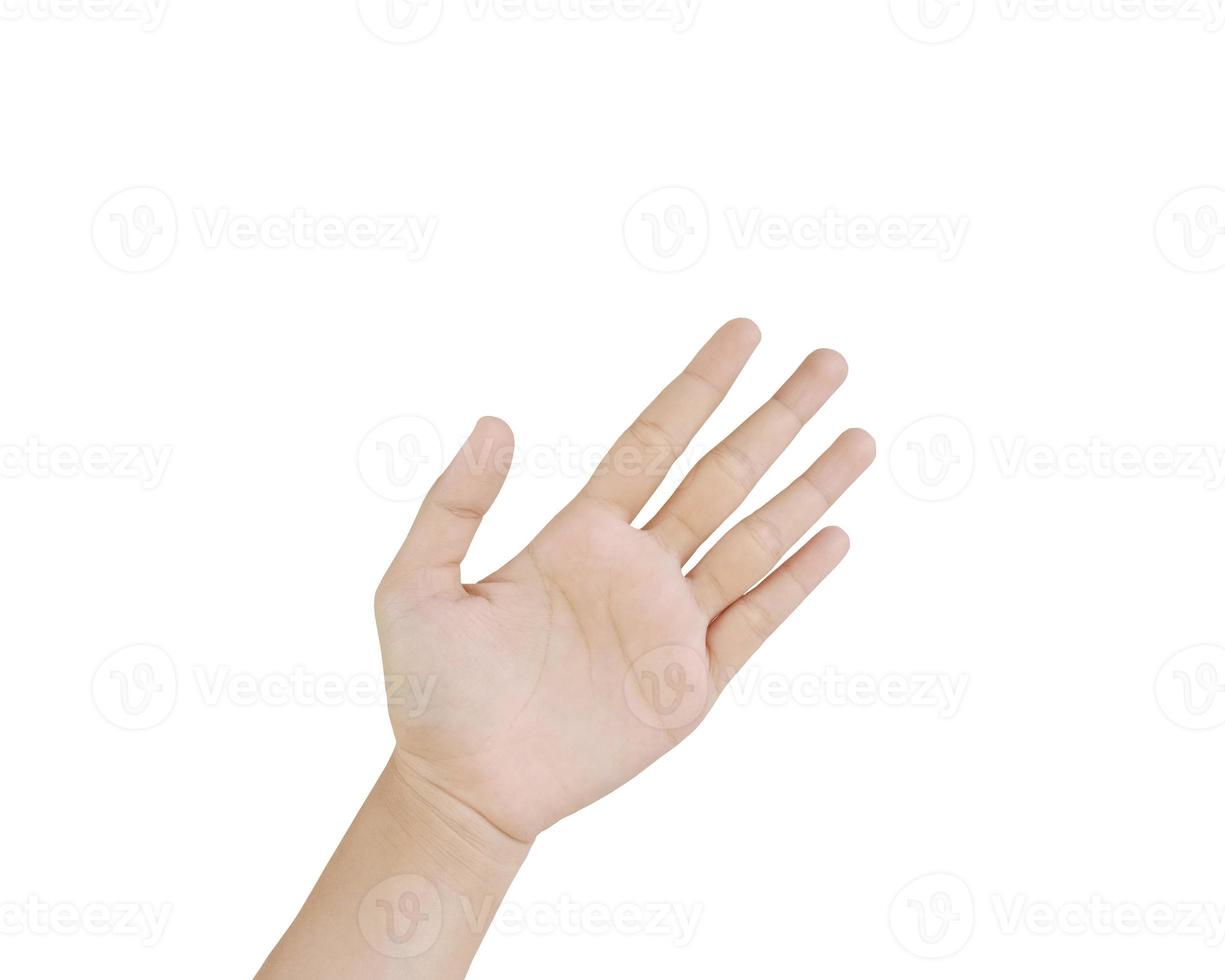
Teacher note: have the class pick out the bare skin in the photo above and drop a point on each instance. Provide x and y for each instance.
(573, 667)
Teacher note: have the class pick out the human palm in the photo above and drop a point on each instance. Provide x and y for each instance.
(592, 653)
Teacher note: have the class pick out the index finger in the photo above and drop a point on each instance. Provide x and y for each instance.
(637, 463)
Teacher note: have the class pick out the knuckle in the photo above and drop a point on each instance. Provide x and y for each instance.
(766, 535)
(756, 620)
(650, 434)
(736, 464)
(460, 511)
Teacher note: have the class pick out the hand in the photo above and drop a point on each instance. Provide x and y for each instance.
(592, 653)
(572, 668)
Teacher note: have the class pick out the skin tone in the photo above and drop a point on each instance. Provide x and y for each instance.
(572, 668)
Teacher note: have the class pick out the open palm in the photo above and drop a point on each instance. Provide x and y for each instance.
(592, 653)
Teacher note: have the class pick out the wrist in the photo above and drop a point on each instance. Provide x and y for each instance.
(468, 853)
(412, 888)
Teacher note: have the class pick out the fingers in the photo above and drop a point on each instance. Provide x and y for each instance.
(452, 511)
(719, 483)
(748, 551)
(641, 458)
(736, 634)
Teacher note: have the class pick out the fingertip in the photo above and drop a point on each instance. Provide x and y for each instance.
(745, 329)
(728, 350)
(820, 556)
(492, 427)
(813, 383)
(836, 539)
(861, 443)
(829, 364)
(491, 445)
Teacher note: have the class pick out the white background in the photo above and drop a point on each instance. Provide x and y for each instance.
(1074, 318)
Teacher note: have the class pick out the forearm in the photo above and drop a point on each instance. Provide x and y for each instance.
(409, 892)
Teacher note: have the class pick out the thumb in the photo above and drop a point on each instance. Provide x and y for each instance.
(452, 510)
